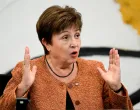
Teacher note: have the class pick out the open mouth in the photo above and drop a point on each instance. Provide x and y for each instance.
(74, 54)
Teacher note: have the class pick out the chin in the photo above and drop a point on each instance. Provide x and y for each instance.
(73, 60)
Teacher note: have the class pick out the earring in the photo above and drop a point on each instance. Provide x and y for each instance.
(48, 49)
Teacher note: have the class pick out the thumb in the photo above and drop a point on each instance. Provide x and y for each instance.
(101, 72)
(34, 69)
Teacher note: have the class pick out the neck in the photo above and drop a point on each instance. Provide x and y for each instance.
(57, 63)
(61, 72)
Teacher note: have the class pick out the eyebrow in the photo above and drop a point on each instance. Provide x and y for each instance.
(68, 31)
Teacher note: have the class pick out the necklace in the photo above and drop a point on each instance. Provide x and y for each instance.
(60, 75)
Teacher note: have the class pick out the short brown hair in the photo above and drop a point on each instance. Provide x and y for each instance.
(55, 19)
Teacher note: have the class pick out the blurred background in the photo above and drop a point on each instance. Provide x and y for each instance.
(104, 26)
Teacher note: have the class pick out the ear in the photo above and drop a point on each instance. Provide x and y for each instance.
(43, 41)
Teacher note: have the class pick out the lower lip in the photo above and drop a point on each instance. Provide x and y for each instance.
(74, 55)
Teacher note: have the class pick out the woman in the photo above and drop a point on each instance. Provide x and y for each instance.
(60, 80)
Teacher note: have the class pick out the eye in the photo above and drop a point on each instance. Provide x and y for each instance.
(65, 37)
(77, 36)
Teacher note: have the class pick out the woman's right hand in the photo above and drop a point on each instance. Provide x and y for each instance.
(28, 75)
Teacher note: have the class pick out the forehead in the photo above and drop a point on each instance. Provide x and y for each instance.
(70, 28)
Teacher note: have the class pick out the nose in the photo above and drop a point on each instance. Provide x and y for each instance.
(73, 43)
(73, 46)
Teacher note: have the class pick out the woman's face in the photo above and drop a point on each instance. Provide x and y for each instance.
(66, 45)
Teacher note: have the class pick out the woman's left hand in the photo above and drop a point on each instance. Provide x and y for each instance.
(113, 75)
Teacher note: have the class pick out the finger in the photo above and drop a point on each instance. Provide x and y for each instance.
(101, 72)
(113, 56)
(34, 70)
(26, 60)
(116, 52)
(117, 59)
(110, 57)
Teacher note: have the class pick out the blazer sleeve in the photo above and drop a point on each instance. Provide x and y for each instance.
(8, 98)
(112, 100)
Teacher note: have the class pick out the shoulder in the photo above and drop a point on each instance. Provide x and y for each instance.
(19, 66)
(37, 60)
(89, 68)
(90, 63)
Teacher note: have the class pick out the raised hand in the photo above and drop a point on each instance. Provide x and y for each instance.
(28, 74)
(113, 75)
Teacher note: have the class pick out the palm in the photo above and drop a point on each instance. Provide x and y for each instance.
(112, 75)
(28, 74)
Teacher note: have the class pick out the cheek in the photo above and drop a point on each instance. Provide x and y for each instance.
(63, 48)
(79, 43)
